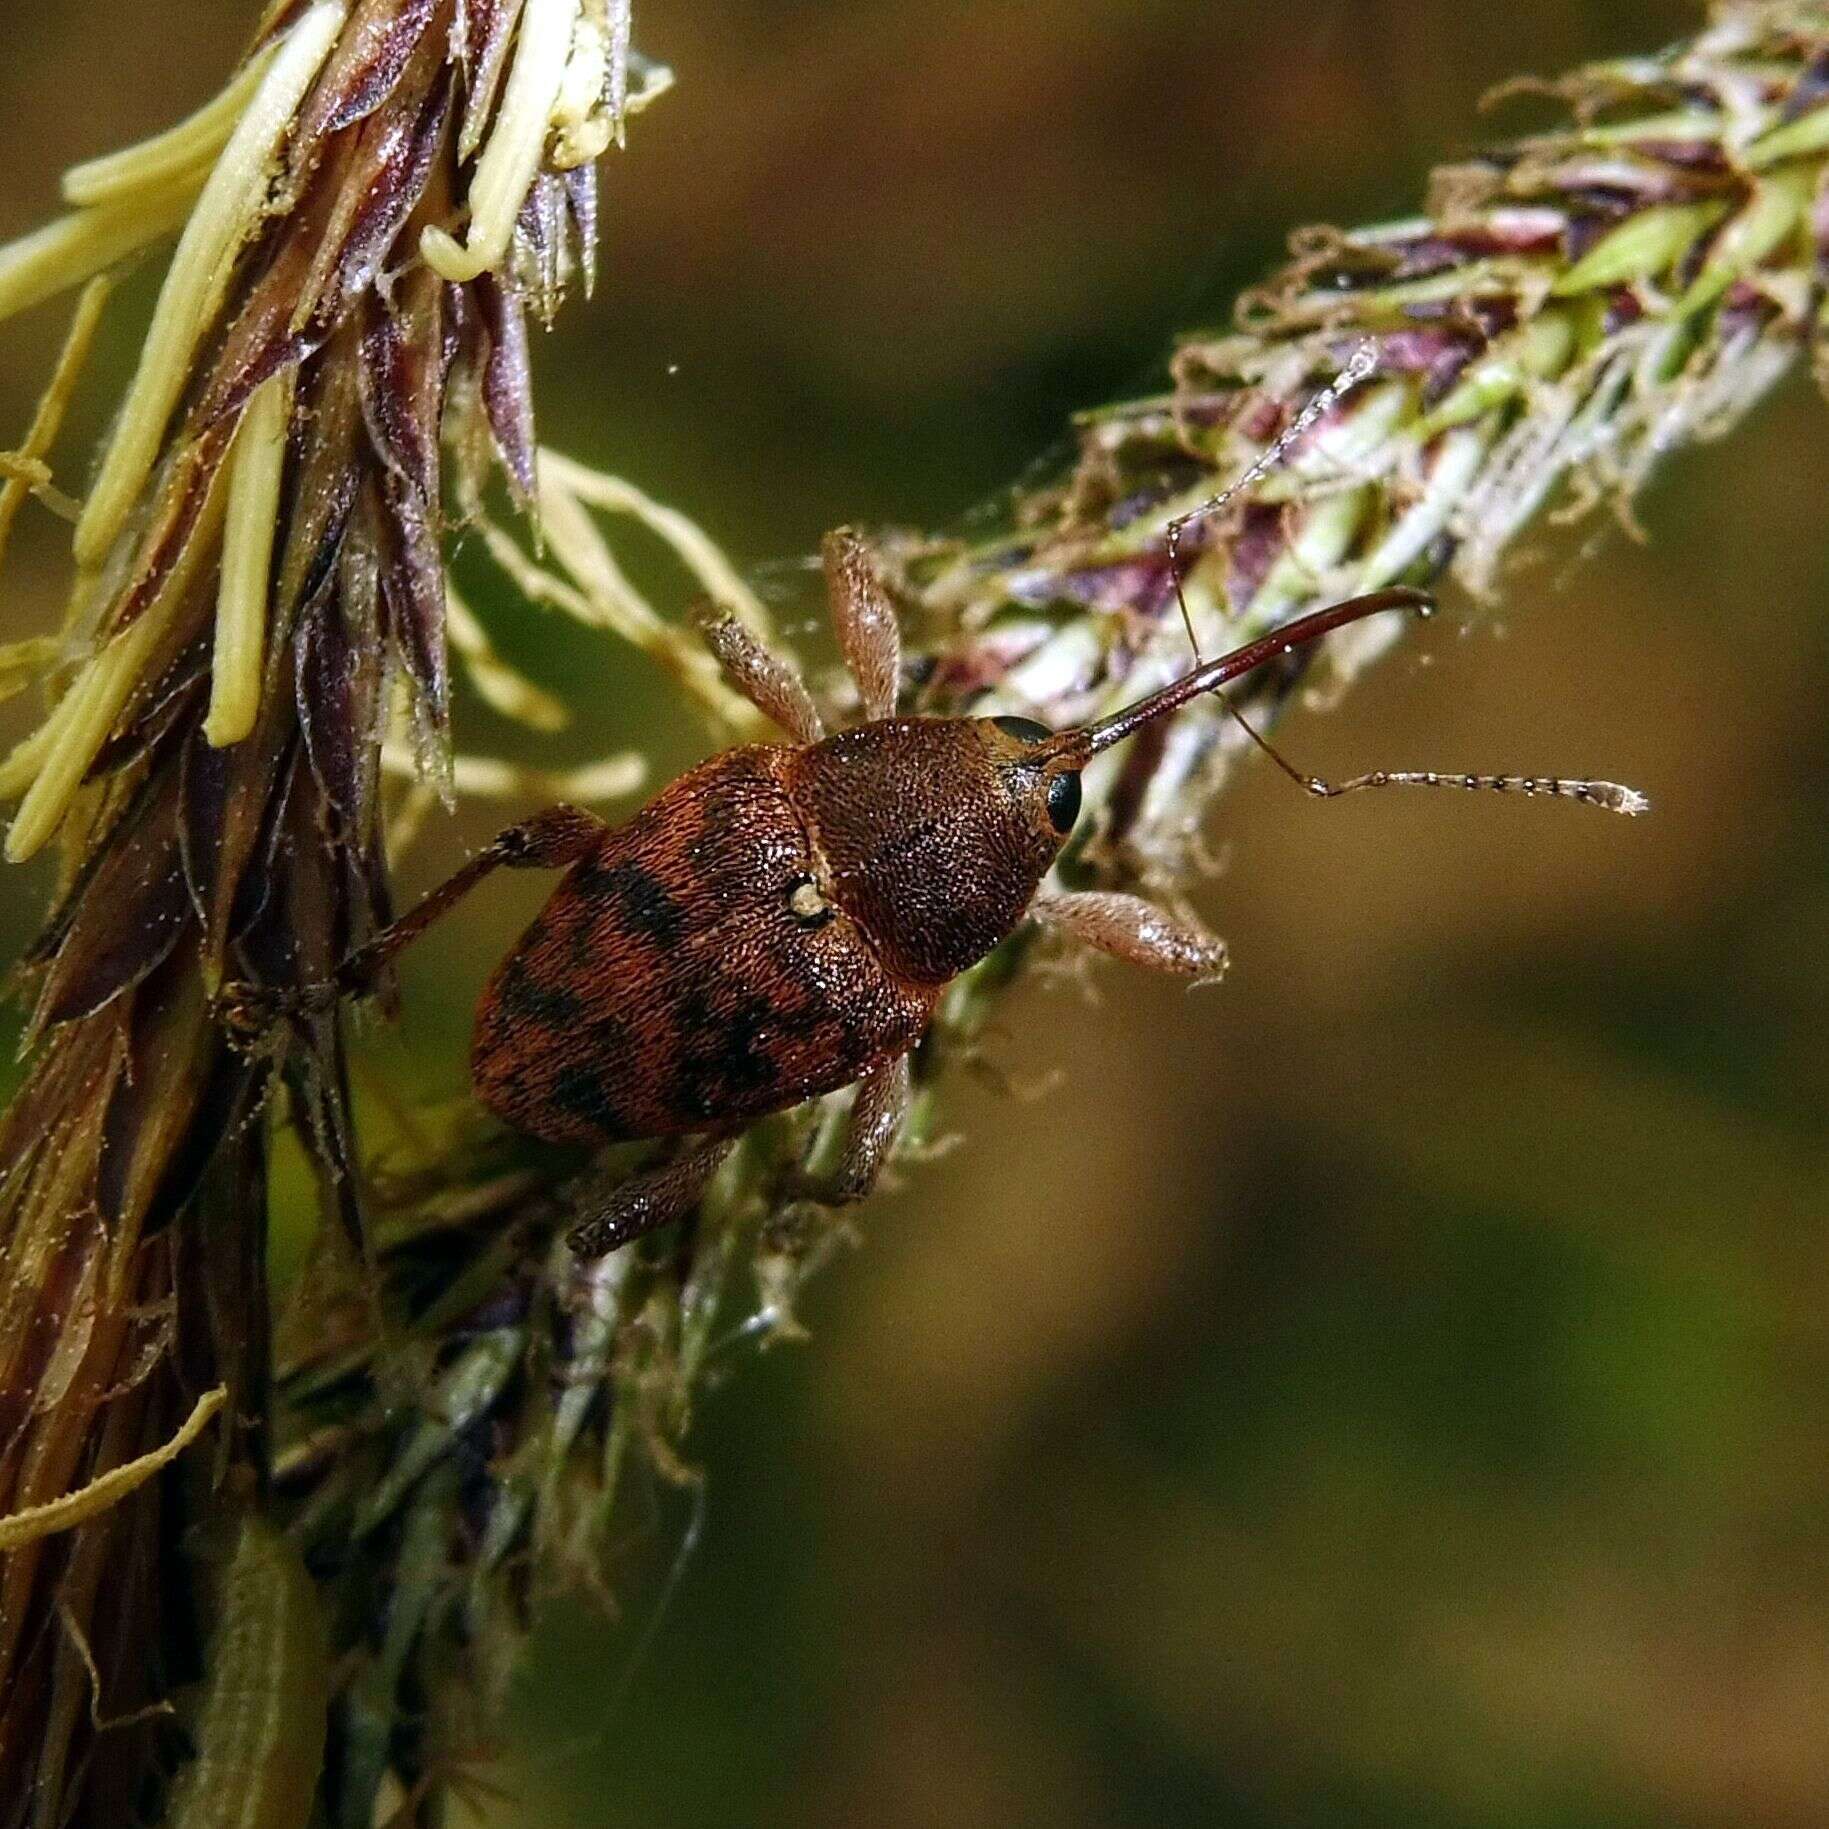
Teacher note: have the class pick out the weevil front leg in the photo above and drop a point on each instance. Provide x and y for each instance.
(649, 1200)
(1131, 929)
(865, 619)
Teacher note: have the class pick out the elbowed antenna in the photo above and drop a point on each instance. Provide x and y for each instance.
(1216, 673)
(1080, 746)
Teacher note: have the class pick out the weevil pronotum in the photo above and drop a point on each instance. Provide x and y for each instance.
(781, 921)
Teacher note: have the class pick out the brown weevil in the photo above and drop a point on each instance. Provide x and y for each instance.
(781, 920)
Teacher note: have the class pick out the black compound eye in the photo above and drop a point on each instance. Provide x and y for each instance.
(1024, 730)
(1064, 802)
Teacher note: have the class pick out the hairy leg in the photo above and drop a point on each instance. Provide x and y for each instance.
(651, 1199)
(865, 620)
(1134, 930)
(551, 840)
(770, 683)
(872, 1127)
(548, 841)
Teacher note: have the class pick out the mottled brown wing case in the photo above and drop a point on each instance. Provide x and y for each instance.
(668, 987)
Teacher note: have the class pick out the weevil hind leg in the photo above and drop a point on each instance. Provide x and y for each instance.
(773, 685)
(1136, 931)
(873, 1127)
(865, 619)
(551, 840)
(654, 1198)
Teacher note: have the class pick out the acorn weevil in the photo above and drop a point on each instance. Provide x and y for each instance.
(781, 920)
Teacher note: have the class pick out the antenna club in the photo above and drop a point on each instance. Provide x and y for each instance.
(1608, 796)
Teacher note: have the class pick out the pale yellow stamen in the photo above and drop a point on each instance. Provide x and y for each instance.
(27, 756)
(47, 422)
(613, 602)
(189, 147)
(230, 205)
(21, 662)
(256, 470)
(596, 590)
(511, 160)
(605, 599)
(535, 582)
(581, 90)
(75, 733)
(108, 1489)
(582, 127)
(490, 778)
(698, 552)
(32, 476)
(509, 692)
(72, 249)
(56, 757)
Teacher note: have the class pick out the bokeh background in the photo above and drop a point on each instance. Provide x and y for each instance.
(1393, 1388)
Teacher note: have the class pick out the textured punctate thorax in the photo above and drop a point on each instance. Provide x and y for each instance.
(929, 846)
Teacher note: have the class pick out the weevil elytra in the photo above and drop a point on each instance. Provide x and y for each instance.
(781, 921)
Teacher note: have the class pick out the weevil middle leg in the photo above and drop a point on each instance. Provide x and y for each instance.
(551, 840)
(872, 1128)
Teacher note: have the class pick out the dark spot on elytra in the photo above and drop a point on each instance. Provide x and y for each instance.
(802, 1019)
(609, 1038)
(580, 1093)
(748, 1063)
(636, 895)
(732, 1063)
(523, 996)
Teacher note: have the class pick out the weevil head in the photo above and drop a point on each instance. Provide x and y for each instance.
(937, 831)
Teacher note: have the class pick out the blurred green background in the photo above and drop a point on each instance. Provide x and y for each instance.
(1390, 1389)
